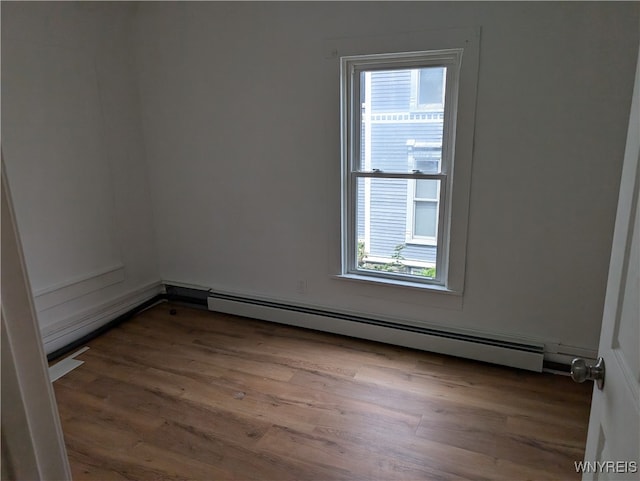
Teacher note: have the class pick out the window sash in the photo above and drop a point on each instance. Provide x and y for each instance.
(399, 175)
(449, 59)
(350, 249)
(352, 123)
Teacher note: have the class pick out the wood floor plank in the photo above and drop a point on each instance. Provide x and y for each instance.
(160, 408)
(143, 462)
(567, 434)
(109, 468)
(361, 461)
(252, 338)
(484, 375)
(236, 460)
(197, 357)
(199, 395)
(74, 404)
(518, 401)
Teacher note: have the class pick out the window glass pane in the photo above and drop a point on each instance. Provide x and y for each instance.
(424, 156)
(384, 230)
(426, 218)
(427, 189)
(395, 136)
(431, 85)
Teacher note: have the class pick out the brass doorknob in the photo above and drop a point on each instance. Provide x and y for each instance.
(581, 371)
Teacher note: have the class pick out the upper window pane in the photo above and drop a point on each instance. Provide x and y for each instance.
(397, 133)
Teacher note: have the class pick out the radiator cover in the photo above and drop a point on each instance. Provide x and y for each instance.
(514, 353)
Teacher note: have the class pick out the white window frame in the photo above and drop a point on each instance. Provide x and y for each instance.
(452, 266)
(354, 66)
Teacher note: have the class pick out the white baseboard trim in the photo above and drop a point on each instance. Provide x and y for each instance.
(553, 350)
(515, 353)
(566, 354)
(65, 331)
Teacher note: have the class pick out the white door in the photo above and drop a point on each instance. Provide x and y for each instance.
(613, 446)
(32, 443)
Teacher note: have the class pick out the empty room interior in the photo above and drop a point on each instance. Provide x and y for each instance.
(309, 240)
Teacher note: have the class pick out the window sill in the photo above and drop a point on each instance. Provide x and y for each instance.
(421, 243)
(380, 281)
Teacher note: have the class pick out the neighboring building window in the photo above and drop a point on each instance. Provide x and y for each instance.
(428, 88)
(399, 129)
(423, 199)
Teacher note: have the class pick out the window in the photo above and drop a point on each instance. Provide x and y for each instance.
(399, 134)
(428, 88)
(423, 196)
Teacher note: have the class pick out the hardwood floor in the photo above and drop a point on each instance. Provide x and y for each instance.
(206, 396)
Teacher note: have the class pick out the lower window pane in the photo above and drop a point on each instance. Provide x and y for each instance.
(392, 226)
(427, 189)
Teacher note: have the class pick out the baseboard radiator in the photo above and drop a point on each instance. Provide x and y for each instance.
(512, 353)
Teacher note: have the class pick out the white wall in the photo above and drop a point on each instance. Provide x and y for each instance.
(241, 121)
(73, 147)
(219, 141)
